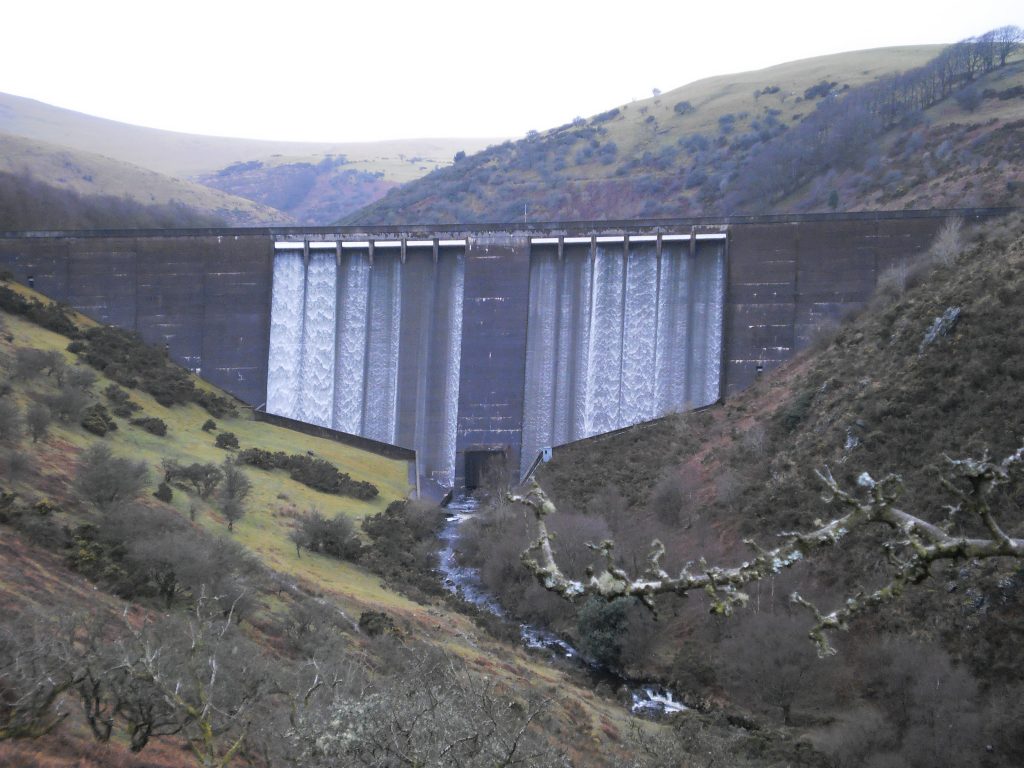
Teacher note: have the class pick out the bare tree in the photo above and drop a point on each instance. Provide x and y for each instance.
(204, 478)
(430, 712)
(233, 492)
(914, 544)
(29, 362)
(38, 418)
(770, 664)
(107, 480)
(34, 673)
(205, 679)
(10, 420)
(1006, 41)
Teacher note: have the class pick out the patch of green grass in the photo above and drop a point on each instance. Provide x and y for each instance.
(264, 529)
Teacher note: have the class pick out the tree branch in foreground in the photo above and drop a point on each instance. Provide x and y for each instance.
(914, 544)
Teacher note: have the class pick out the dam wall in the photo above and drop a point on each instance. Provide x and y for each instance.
(494, 341)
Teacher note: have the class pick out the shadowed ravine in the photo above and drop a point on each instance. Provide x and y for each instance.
(645, 698)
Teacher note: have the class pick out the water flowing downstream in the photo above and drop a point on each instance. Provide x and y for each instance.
(463, 581)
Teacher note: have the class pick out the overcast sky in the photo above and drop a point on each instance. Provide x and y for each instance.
(379, 69)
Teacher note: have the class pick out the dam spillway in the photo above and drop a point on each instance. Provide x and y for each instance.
(370, 346)
(619, 332)
(401, 332)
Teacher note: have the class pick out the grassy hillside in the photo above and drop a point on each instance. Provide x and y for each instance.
(188, 155)
(88, 174)
(710, 147)
(29, 204)
(311, 183)
(95, 575)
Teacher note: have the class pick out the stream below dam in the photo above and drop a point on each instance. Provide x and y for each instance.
(464, 581)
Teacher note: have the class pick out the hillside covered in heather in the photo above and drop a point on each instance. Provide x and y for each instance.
(884, 129)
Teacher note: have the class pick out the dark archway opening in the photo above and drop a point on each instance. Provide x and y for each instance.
(481, 466)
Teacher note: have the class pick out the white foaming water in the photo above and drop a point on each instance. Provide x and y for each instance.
(636, 394)
(453, 370)
(286, 334)
(350, 349)
(627, 338)
(716, 321)
(316, 397)
(604, 366)
(335, 343)
(562, 327)
(385, 310)
(543, 353)
(579, 343)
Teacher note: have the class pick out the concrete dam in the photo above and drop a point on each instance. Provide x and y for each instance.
(469, 344)
(618, 331)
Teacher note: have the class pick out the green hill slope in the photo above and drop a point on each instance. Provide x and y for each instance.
(772, 140)
(90, 174)
(89, 581)
(308, 182)
(188, 155)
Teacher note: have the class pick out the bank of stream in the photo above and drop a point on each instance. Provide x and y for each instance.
(463, 581)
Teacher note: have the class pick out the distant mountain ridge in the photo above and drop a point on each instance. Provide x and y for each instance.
(88, 174)
(306, 176)
(783, 139)
(187, 155)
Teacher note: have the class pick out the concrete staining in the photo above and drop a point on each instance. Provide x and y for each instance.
(423, 336)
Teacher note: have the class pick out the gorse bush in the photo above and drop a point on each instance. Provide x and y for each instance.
(335, 536)
(403, 546)
(50, 315)
(601, 625)
(315, 472)
(124, 357)
(97, 420)
(152, 425)
(121, 403)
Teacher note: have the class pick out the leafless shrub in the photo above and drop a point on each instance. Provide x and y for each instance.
(10, 420)
(768, 663)
(107, 480)
(862, 736)
(671, 498)
(949, 242)
(38, 418)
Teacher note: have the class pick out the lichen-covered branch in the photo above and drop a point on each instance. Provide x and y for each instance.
(914, 545)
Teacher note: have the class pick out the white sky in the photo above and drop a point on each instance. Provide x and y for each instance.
(379, 69)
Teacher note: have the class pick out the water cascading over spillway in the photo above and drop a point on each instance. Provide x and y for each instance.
(619, 336)
(371, 348)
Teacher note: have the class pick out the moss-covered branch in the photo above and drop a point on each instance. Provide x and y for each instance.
(915, 543)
